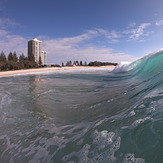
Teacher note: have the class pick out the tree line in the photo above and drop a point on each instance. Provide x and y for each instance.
(75, 63)
(96, 63)
(13, 62)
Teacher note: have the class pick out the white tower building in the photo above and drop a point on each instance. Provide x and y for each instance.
(35, 49)
(43, 58)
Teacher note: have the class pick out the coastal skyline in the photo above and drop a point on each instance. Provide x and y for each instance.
(92, 30)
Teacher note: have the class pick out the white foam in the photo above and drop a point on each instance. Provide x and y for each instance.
(103, 138)
(82, 154)
(46, 92)
(151, 109)
(95, 152)
(116, 145)
(110, 100)
(121, 67)
(139, 121)
(141, 106)
(5, 98)
(132, 113)
(99, 123)
(130, 158)
(94, 106)
(155, 107)
(154, 93)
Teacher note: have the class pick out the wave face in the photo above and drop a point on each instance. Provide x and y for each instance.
(84, 116)
(146, 66)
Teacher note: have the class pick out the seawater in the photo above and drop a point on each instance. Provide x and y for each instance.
(94, 116)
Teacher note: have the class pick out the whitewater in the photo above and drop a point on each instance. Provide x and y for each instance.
(93, 116)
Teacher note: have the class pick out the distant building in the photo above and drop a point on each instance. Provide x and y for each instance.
(35, 49)
(43, 58)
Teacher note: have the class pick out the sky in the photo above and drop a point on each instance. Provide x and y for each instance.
(87, 30)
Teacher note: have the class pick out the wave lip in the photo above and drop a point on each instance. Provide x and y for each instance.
(147, 66)
(121, 67)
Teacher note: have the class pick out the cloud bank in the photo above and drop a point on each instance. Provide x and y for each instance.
(91, 45)
(81, 48)
(10, 42)
(84, 47)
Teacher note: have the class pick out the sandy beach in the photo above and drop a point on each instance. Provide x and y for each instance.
(48, 69)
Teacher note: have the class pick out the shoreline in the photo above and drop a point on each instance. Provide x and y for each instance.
(49, 69)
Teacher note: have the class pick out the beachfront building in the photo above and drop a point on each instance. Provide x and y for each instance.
(35, 49)
(43, 58)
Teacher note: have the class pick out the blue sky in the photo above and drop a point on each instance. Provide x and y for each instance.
(88, 30)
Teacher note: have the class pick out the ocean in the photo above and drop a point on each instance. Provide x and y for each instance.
(84, 116)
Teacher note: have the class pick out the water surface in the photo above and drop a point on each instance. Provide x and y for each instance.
(94, 116)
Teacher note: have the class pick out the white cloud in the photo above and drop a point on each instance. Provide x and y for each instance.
(137, 33)
(81, 47)
(10, 42)
(75, 48)
(159, 23)
(3, 33)
(110, 36)
(58, 52)
(7, 23)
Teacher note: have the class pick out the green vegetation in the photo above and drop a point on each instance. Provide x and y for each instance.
(12, 62)
(75, 63)
(96, 63)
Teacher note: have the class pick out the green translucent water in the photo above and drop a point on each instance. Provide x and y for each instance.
(84, 116)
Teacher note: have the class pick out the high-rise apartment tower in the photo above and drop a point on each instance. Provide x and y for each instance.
(43, 58)
(35, 49)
